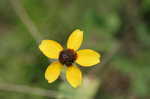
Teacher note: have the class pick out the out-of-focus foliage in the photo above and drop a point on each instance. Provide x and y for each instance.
(102, 21)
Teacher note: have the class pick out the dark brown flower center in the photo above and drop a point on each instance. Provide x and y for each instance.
(67, 57)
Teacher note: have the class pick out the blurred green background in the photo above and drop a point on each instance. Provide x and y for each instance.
(118, 29)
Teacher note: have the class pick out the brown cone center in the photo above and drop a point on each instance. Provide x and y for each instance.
(67, 57)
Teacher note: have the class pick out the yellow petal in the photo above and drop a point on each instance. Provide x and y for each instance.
(53, 71)
(87, 57)
(74, 76)
(50, 48)
(75, 40)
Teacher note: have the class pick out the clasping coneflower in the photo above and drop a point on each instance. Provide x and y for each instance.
(68, 57)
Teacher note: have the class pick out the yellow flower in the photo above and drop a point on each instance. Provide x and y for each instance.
(67, 57)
